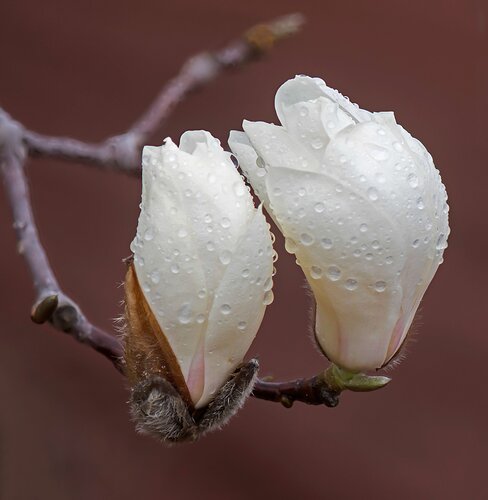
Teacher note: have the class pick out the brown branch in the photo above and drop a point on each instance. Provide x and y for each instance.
(122, 153)
(312, 391)
(51, 303)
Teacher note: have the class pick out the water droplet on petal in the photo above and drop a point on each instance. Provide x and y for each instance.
(225, 223)
(319, 207)
(326, 243)
(351, 284)
(241, 325)
(260, 162)
(413, 180)
(441, 242)
(225, 309)
(372, 194)
(149, 234)
(290, 245)
(200, 318)
(316, 272)
(225, 257)
(175, 268)
(306, 239)
(363, 228)
(185, 314)
(317, 143)
(380, 286)
(333, 273)
(268, 298)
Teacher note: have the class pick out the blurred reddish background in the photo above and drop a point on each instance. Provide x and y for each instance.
(87, 69)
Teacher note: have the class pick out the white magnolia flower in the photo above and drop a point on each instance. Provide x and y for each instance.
(362, 206)
(203, 258)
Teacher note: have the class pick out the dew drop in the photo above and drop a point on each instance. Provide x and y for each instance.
(207, 218)
(268, 285)
(319, 207)
(333, 273)
(225, 309)
(369, 256)
(175, 268)
(372, 194)
(413, 180)
(397, 146)
(149, 234)
(182, 232)
(420, 203)
(306, 239)
(200, 318)
(185, 314)
(375, 244)
(326, 243)
(202, 293)
(351, 284)
(210, 246)
(225, 257)
(441, 242)
(363, 228)
(225, 223)
(241, 325)
(290, 245)
(245, 273)
(268, 297)
(317, 143)
(380, 286)
(316, 272)
(415, 243)
(389, 259)
(260, 162)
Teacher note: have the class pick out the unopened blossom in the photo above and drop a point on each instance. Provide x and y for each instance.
(362, 207)
(203, 261)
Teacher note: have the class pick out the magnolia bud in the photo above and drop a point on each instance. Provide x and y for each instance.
(362, 207)
(196, 290)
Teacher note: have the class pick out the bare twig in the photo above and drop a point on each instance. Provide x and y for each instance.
(51, 303)
(122, 153)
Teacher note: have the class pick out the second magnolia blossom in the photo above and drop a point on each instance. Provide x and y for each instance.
(360, 204)
(203, 260)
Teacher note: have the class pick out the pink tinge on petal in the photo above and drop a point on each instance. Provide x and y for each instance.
(397, 337)
(196, 375)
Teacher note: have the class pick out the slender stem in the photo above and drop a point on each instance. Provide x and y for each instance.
(51, 303)
(122, 152)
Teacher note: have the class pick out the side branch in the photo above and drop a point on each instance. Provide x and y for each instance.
(122, 152)
(51, 303)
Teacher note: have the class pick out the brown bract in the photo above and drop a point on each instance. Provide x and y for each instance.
(146, 349)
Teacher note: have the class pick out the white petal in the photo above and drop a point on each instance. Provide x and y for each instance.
(303, 88)
(342, 243)
(278, 148)
(251, 165)
(238, 306)
(195, 211)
